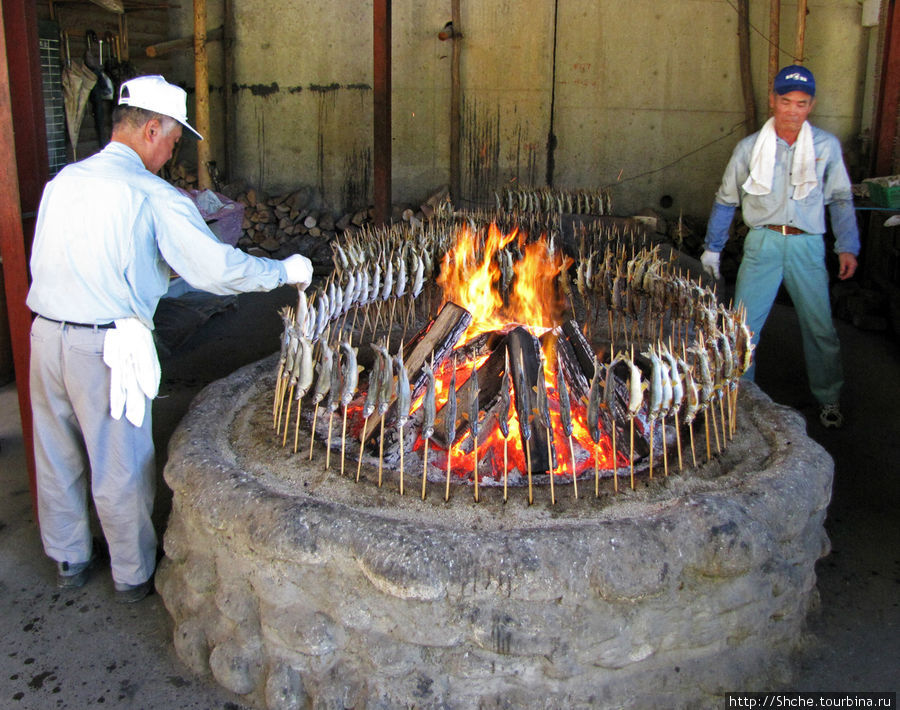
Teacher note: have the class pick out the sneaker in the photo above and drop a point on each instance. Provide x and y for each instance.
(131, 593)
(831, 417)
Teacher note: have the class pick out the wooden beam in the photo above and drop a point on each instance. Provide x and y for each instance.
(201, 94)
(173, 45)
(12, 236)
(746, 77)
(800, 39)
(774, 39)
(381, 60)
(455, 101)
(228, 90)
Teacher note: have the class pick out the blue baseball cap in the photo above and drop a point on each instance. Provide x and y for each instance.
(794, 78)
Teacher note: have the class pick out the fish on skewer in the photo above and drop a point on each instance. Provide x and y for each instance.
(333, 400)
(404, 403)
(503, 418)
(565, 415)
(369, 406)
(323, 385)
(593, 421)
(304, 381)
(383, 400)
(635, 400)
(523, 412)
(543, 411)
(428, 417)
(449, 412)
(609, 407)
(350, 377)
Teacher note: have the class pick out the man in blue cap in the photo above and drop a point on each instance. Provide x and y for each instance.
(783, 177)
(109, 231)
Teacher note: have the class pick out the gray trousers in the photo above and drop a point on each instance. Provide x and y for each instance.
(76, 440)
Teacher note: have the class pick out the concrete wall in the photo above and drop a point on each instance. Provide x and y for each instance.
(641, 95)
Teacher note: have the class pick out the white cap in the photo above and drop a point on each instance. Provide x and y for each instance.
(154, 93)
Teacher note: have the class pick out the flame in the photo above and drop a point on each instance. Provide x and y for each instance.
(471, 277)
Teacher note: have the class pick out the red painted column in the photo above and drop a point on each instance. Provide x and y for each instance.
(23, 172)
(381, 59)
(885, 133)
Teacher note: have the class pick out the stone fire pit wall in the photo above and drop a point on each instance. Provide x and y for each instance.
(301, 596)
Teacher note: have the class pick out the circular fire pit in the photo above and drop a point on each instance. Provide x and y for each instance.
(293, 585)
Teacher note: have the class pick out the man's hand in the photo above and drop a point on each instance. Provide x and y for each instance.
(847, 265)
(710, 261)
(298, 270)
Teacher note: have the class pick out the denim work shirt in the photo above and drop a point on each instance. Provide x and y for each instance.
(778, 207)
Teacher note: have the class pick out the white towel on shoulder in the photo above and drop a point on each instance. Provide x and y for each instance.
(762, 162)
(130, 354)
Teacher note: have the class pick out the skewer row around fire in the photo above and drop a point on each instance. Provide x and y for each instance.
(679, 356)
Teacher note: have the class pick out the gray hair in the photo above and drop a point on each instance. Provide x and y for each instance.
(138, 117)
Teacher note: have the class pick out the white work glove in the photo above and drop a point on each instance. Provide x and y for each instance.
(710, 261)
(298, 269)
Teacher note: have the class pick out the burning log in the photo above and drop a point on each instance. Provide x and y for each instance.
(434, 343)
(524, 356)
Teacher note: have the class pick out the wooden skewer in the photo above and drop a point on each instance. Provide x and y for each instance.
(596, 472)
(328, 445)
(652, 427)
(475, 464)
(552, 474)
(615, 464)
(716, 430)
(287, 421)
(447, 488)
(574, 470)
(297, 426)
(678, 442)
(528, 464)
(362, 443)
(665, 448)
(402, 474)
(693, 452)
(312, 431)
(424, 468)
(380, 451)
(631, 450)
(706, 426)
(505, 467)
(343, 439)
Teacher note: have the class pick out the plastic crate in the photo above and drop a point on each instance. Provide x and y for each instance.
(884, 196)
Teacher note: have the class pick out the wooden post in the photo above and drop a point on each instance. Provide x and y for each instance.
(774, 36)
(746, 78)
(455, 100)
(12, 236)
(201, 94)
(801, 32)
(885, 132)
(381, 60)
(227, 94)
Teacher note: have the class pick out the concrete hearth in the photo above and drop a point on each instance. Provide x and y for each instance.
(294, 586)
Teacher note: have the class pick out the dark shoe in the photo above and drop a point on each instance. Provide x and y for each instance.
(131, 593)
(73, 575)
(830, 416)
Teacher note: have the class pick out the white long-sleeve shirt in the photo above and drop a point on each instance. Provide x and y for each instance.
(108, 231)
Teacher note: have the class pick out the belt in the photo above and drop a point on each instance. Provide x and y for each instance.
(784, 229)
(101, 326)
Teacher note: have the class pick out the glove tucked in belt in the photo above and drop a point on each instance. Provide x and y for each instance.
(130, 354)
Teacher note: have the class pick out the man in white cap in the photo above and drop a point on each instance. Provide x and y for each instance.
(783, 177)
(108, 232)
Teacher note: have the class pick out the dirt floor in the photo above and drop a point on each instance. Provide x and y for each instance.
(79, 649)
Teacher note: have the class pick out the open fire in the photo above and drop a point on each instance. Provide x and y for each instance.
(502, 384)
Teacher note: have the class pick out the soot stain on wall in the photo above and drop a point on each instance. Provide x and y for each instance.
(357, 179)
(481, 150)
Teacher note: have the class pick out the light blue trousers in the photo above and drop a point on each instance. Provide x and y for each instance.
(76, 443)
(798, 260)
